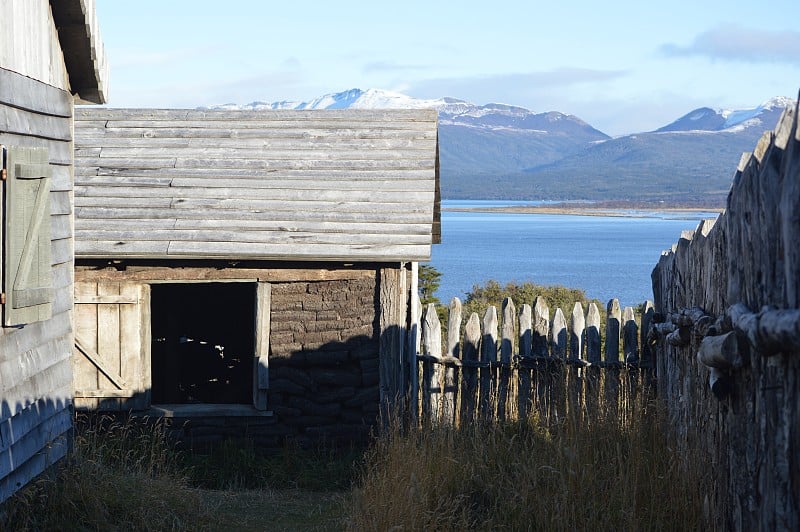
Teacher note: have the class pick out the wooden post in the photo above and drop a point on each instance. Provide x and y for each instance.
(469, 358)
(593, 357)
(646, 358)
(506, 352)
(558, 354)
(488, 360)
(432, 388)
(414, 342)
(612, 362)
(526, 357)
(541, 330)
(451, 372)
(630, 348)
(392, 323)
(574, 367)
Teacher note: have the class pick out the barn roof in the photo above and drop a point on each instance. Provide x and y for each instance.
(352, 185)
(84, 54)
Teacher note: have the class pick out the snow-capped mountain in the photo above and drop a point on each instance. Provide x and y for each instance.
(765, 116)
(452, 111)
(504, 151)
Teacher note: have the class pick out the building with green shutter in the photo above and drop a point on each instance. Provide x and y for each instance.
(51, 57)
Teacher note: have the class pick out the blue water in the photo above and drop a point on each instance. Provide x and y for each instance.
(607, 256)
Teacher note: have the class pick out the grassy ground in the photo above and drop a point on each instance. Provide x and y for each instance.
(605, 475)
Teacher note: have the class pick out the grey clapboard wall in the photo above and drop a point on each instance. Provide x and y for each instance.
(35, 371)
(352, 185)
(49, 52)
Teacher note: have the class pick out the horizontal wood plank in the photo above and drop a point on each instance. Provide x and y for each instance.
(326, 116)
(26, 123)
(89, 131)
(88, 216)
(244, 184)
(32, 95)
(58, 151)
(285, 194)
(134, 273)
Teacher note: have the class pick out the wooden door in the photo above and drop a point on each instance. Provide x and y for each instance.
(111, 357)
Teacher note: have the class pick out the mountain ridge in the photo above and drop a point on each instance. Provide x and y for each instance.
(504, 151)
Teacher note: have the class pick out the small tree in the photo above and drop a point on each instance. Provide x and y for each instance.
(429, 281)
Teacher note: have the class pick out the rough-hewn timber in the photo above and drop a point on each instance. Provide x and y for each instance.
(730, 269)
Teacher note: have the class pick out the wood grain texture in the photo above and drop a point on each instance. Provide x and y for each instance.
(36, 109)
(748, 259)
(294, 176)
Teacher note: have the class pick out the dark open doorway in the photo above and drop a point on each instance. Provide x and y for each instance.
(203, 342)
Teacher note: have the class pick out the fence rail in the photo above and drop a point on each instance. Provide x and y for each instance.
(519, 363)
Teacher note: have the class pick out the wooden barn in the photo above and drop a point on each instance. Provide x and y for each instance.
(50, 57)
(249, 271)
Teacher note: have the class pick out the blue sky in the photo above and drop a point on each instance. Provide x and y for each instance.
(623, 66)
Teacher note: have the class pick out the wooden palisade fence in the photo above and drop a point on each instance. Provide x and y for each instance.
(515, 364)
(727, 299)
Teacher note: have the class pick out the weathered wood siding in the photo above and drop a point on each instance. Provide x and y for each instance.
(56, 42)
(29, 42)
(351, 185)
(50, 53)
(748, 424)
(35, 371)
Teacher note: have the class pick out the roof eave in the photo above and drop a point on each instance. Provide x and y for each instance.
(84, 55)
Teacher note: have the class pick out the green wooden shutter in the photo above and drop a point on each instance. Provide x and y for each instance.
(27, 275)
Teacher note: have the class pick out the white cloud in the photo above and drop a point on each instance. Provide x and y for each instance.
(734, 43)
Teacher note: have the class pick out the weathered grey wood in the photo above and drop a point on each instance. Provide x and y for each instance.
(266, 237)
(469, 380)
(540, 349)
(28, 94)
(20, 374)
(141, 194)
(558, 354)
(630, 350)
(36, 107)
(261, 358)
(526, 359)
(392, 321)
(110, 358)
(789, 207)
(747, 260)
(432, 342)
(487, 391)
(576, 356)
(721, 352)
(630, 337)
(225, 250)
(414, 347)
(377, 167)
(593, 338)
(451, 373)
(646, 362)
(87, 213)
(612, 360)
(770, 331)
(504, 407)
(311, 118)
(21, 122)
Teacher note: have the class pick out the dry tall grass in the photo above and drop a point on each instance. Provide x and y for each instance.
(606, 474)
(119, 476)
